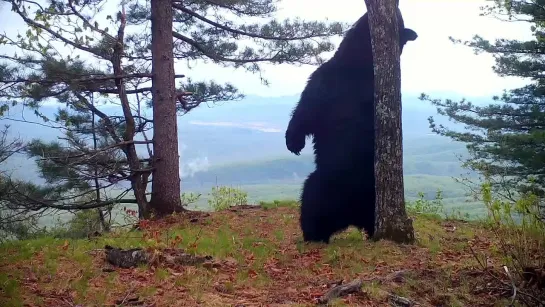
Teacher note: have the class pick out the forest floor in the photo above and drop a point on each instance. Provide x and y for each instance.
(258, 259)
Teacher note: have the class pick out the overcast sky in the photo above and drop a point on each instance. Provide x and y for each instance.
(430, 64)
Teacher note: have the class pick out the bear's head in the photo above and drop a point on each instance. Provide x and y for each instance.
(355, 49)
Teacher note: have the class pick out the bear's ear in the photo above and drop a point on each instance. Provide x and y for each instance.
(408, 35)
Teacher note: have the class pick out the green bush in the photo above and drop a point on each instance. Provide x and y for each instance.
(189, 198)
(519, 227)
(82, 224)
(427, 207)
(224, 197)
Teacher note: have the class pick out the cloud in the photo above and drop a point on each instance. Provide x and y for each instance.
(259, 126)
(194, 166)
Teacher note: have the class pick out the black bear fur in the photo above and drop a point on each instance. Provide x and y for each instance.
(337, 109)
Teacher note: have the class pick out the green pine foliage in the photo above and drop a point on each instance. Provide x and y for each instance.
(506, 139)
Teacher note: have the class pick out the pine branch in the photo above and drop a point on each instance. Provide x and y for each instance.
(70, 79)
(101, 150)
(248, 34)
(53, 33)
(219, 58)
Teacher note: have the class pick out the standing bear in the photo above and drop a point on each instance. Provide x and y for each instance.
(337, 109)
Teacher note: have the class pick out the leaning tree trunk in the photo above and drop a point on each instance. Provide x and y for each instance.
(165, 197)
(391, 221)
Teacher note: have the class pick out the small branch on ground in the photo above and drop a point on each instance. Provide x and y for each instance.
(136, 256)
(238, 208)
(341, 290)
(129, 301)
(126, 258)
(396, 276)
(399, 301)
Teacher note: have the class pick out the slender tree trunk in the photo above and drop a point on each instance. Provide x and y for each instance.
(391, 220)
(105, 226)
(137, 184)
(165, 197)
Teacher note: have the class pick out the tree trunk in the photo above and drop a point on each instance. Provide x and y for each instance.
(165, 197)
(137, 184)
(391, 219)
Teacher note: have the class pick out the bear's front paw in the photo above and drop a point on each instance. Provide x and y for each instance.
(295, 143)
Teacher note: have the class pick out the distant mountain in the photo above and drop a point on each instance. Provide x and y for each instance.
(240, 131)
(427, 155)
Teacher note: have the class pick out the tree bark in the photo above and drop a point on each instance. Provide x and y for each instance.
(391, 219)
(165, 197)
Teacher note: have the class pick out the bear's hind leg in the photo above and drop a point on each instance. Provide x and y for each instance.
(318, 218)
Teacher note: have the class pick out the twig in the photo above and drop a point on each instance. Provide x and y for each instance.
(483, 265)
(512, 284)
(197, 237)
(125, 298)
(354, 286)
(341, 290)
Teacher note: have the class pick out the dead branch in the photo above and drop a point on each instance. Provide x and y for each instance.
(399, 301)
(355, 286)
(341, 290)
(137, 256)
(512, 284)
(126, 258)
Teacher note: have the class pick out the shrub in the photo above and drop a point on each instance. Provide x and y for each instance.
(427, 207)
(519, 227)
(224, 197)
(82, 224)
(189, 198)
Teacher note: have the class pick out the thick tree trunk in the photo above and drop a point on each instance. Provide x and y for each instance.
(391, 221)
(165, 197)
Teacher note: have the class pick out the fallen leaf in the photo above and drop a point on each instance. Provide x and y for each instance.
(252, 273)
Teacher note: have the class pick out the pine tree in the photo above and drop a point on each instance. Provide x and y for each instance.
(165, 197)
(38, 72)
(207, 30)
(88, 166)
(113, 63)
(506, 139)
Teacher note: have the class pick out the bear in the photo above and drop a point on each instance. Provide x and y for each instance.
(336, 108)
